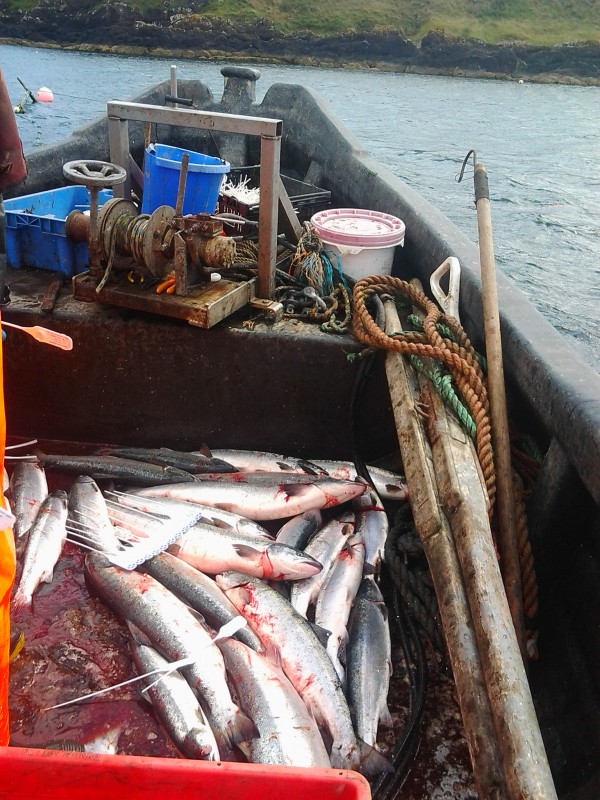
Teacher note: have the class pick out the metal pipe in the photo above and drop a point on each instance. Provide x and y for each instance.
(173, 82)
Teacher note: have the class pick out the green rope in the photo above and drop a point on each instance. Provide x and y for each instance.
(417, 324)
(442, 382)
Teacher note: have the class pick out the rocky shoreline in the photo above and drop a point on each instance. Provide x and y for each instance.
(119, 29)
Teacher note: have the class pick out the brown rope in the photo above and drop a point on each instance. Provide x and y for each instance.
(528, 575)
(459, 357)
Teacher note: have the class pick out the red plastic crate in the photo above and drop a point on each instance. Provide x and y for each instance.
(56, 775)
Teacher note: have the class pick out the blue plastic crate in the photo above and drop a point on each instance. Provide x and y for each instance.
(35, 230)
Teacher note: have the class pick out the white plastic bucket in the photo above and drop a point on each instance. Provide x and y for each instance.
(365, 241)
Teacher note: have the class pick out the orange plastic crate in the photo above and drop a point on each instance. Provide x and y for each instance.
(55, 775)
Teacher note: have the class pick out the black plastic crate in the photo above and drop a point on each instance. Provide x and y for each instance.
(306, 199)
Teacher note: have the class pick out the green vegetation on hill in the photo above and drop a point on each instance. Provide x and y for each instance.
(542, 22)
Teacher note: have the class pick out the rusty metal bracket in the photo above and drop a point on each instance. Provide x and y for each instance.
(272, 308)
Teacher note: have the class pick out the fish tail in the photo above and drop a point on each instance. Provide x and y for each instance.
(240, 728)
(372, 762)
(364, 758)
(21, 600)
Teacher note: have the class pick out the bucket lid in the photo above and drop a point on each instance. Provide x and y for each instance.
(358, 227)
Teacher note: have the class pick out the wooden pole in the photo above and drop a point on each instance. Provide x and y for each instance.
(505, 502)
(464, 499)
(464, 507)
(434, 531)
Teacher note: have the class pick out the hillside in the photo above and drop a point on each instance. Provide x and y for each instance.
(559, 39)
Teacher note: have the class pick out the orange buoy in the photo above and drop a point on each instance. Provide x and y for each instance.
(45, 95)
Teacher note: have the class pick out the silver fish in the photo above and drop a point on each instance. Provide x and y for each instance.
(335, 599)
(325, 547)
(28, 488)
(47, 537)
(88, 515)
(372, 521)
(261, 502)
(298, 531)
(110, 467)
(198, 591)
(176, 633)
(290, 641)
(256, 461)
(211, 516)
(368, 662)
(194, 463)
(213, 550)
(288, 733)
(388, 485)
(174, 702)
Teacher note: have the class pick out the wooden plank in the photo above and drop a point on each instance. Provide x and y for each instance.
(136, 174)
(435, 533)
(288, 219)
(204, 306)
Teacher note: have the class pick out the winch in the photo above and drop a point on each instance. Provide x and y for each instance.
(194, 247)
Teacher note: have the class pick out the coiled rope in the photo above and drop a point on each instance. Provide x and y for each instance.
(444, 340)
(313, 264)
(457, 356)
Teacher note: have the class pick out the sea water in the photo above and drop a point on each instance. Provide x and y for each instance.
(540, 145)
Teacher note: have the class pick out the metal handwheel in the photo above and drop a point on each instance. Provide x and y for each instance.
(96, 174)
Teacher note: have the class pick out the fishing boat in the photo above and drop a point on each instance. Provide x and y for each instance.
(254, 378)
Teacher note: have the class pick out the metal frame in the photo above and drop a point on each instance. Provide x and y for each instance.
(269, 130)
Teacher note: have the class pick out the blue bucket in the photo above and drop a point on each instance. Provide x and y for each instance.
(161, 180)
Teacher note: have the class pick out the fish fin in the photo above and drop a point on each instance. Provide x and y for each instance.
(241, 729)
(341, 653)
(372, 762)
(369, 569)
(296, 489)
(247, 551)
(137, 635)
(204, 450)
(198, 616)
(325, 735)
(273, 653)
(322, 634)
(385, 718)
(311, 469)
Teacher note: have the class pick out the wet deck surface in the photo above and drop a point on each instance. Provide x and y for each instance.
(75, 645)
(273, 385)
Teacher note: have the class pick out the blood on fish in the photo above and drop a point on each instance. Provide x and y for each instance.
(331, 500)
(267, 566)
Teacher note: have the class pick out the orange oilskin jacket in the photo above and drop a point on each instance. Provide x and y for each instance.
(7, 576)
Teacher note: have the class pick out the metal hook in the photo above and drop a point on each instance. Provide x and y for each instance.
(464, 164)
(448, 302)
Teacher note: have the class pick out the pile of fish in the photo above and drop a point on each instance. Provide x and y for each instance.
(179, 550)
